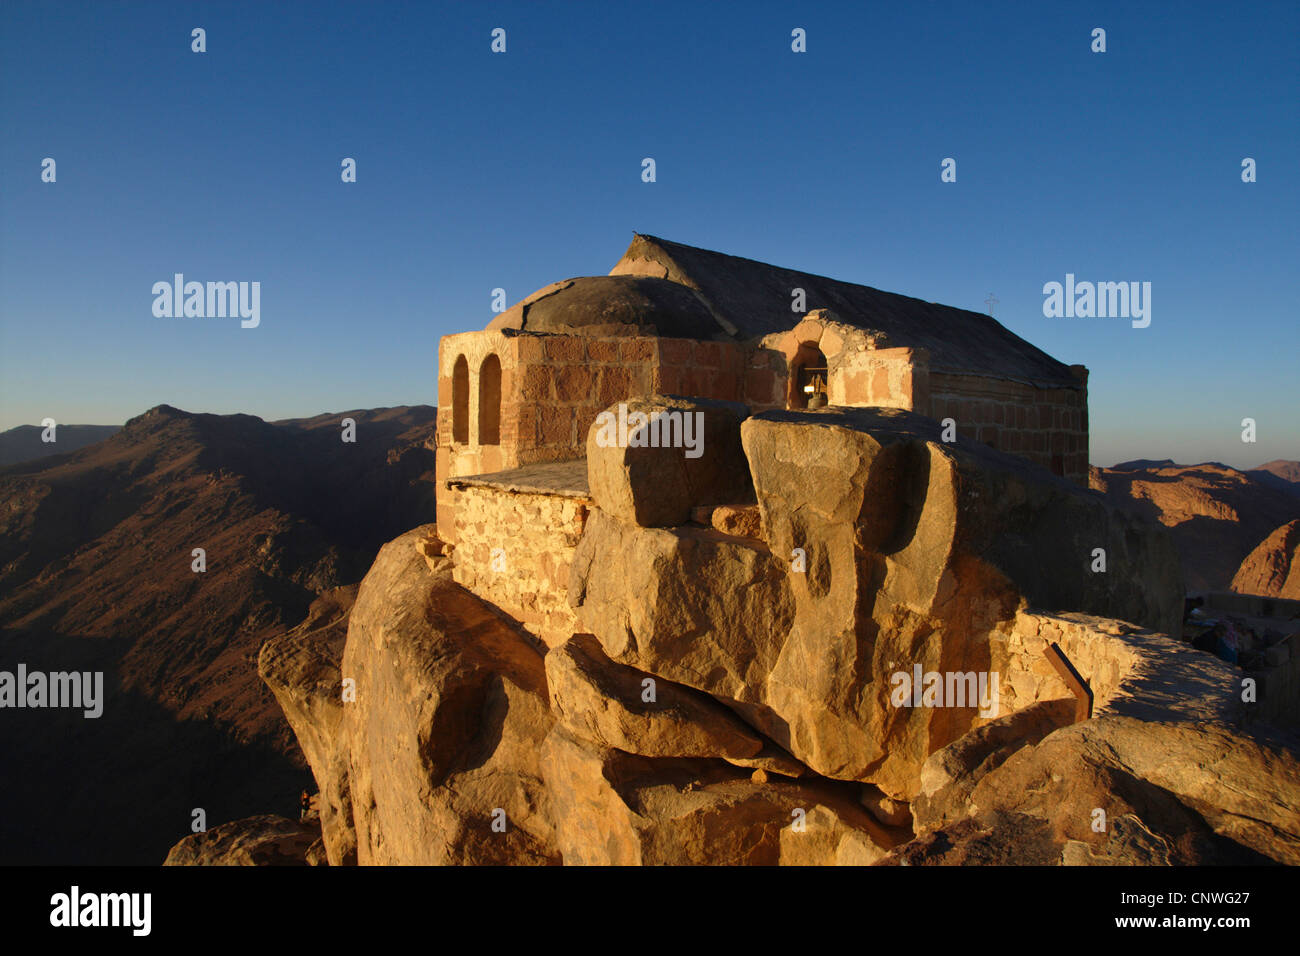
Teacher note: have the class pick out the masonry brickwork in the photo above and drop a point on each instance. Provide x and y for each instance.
(514, 549)
(1049, 426)
(677, 320)
(1131, 671)
(553, 387)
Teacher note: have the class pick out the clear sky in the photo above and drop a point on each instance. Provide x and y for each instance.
(477, 170)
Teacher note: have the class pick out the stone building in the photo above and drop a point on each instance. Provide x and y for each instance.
(841, 617)
(517, 399)
(674, 319)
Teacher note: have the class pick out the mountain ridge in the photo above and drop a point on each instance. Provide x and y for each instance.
(97, 570)
(1216, 514)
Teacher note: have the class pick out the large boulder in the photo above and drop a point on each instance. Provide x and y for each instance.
(445, 731)
(687, 604)
(263, 840)
(424, 729)
(886, 549)
(302, 670)
(657, 485)
(613, 808)
(875, 495)
(619, 707)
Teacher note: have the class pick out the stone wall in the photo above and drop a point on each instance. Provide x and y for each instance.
(765, 379)
(553, 386)
(513, 549)
(1049, 426)
(565, 381)
(701, 369)
(889, 378)
(472, 457)
(1131, 671)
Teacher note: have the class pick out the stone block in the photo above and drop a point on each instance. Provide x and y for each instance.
(742, 520)
(575, 384)
(657, 486)
(564, 348)
(599, 350)
(636, 351)
(676, 351)
(535, 383)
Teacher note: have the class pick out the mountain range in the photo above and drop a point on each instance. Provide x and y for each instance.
(25, 442)
(1216, 515)
(98, 572)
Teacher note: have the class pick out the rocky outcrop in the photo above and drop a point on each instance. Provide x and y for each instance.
(1215, 514)
(657, 486)
(620, 809)
(1116, 791)
(621, 708)
(445, 731)
(426, 732)
(302, 670)
(452, 726)
(1272, 569)
(731, 694)
(265, 840)
(884, 548)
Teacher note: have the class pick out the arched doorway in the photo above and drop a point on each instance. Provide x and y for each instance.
(460, 401)
(489, 401)
(809, 377)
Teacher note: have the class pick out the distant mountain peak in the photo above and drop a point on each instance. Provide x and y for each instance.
(1281, 468)
(160, 411)
(1137, 464)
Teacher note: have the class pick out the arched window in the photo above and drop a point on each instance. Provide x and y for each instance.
(489, 401)
(808, 377)
(460, 401)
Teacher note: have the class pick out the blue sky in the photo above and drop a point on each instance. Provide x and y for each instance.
(478, 170)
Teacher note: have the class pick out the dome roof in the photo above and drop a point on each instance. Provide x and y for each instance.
(614, 305)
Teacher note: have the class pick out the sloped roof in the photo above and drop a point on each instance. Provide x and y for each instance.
(751, 299)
